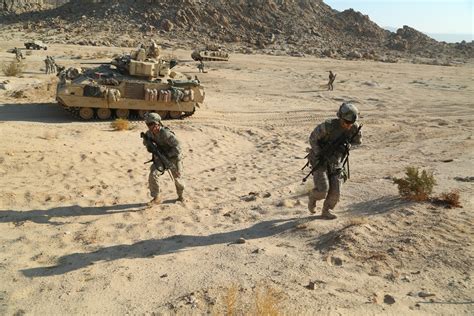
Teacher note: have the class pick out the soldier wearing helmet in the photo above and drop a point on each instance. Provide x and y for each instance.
(329, 173)
(169, 146)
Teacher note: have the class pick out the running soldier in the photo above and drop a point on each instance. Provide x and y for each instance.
(330, 142)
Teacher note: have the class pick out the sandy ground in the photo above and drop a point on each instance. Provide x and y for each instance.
(76, 238)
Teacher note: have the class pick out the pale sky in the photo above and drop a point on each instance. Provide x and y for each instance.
(427, 16)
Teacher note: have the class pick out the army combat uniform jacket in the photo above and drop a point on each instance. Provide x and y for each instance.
(167, 143)
(169, 146)
(326, 133)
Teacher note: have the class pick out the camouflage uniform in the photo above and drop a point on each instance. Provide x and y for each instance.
(332, 77)
(328, 176)
(169, 146)
(18, 54)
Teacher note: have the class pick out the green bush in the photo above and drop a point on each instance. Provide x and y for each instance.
(415, 186)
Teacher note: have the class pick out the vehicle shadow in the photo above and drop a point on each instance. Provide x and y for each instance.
(34, 112)
(46, 216)
(158, 247)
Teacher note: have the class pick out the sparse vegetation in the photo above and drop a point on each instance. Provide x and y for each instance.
(448, 199)
(267, 301)
(120, 124)
(230, 300)
(13, 69)
(356, 221)
(415, 186)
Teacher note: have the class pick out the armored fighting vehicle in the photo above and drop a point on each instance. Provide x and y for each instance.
(128, 87)
(36, 45)
(210, 53)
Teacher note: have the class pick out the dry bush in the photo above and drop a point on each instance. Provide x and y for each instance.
(356, 221)
(448, 199)
(120, 124)
(267, 301)
(415, 186)
(230, 300)
(13, 69)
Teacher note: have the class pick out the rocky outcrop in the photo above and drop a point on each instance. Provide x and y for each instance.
(19, 6)
(291, 27)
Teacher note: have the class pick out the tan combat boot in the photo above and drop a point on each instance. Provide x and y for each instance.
(326, 214)
(155, 201)
(181, 198)
(311, 203)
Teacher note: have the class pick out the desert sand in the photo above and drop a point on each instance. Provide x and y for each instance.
(77, 238)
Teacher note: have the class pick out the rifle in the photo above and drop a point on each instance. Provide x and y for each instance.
(329, 149)
(165, 163)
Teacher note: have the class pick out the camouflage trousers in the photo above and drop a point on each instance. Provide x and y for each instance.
(327, 186)
(153, 178)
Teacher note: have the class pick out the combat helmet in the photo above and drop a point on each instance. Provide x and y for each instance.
(152, 118)
(348, 112)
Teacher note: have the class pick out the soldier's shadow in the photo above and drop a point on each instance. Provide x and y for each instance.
(159, 247)
(47, 216)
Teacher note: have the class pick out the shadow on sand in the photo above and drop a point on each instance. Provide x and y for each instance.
(46, 216)
(156, 247)
(34, 112)
(378, 206)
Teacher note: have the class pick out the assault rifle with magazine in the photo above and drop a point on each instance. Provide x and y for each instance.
(330, 148)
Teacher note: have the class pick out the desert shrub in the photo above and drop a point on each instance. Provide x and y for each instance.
(415, 186)
(230, 300)
(267, 301)
(448, 199)
(356, 221)
(12, 69)
(120, 124)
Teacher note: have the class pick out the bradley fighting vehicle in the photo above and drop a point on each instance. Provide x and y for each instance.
(210, 53)
(128, 87)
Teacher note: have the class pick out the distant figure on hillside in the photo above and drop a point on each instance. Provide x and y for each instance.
(50, 65)
(18, 54)
(201, 67)
(47, 65)
(332, 77)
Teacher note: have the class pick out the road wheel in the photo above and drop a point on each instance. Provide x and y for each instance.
(141, 113)
(86, 113)
(163, 114)
(122, 113)
(175, 114)
(104, 113)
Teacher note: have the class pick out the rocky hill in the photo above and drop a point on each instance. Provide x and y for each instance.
(290, 27)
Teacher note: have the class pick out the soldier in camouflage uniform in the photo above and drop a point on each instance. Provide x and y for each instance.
(169, 146)
(18, 54)
(329, 173)
(332, 77)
